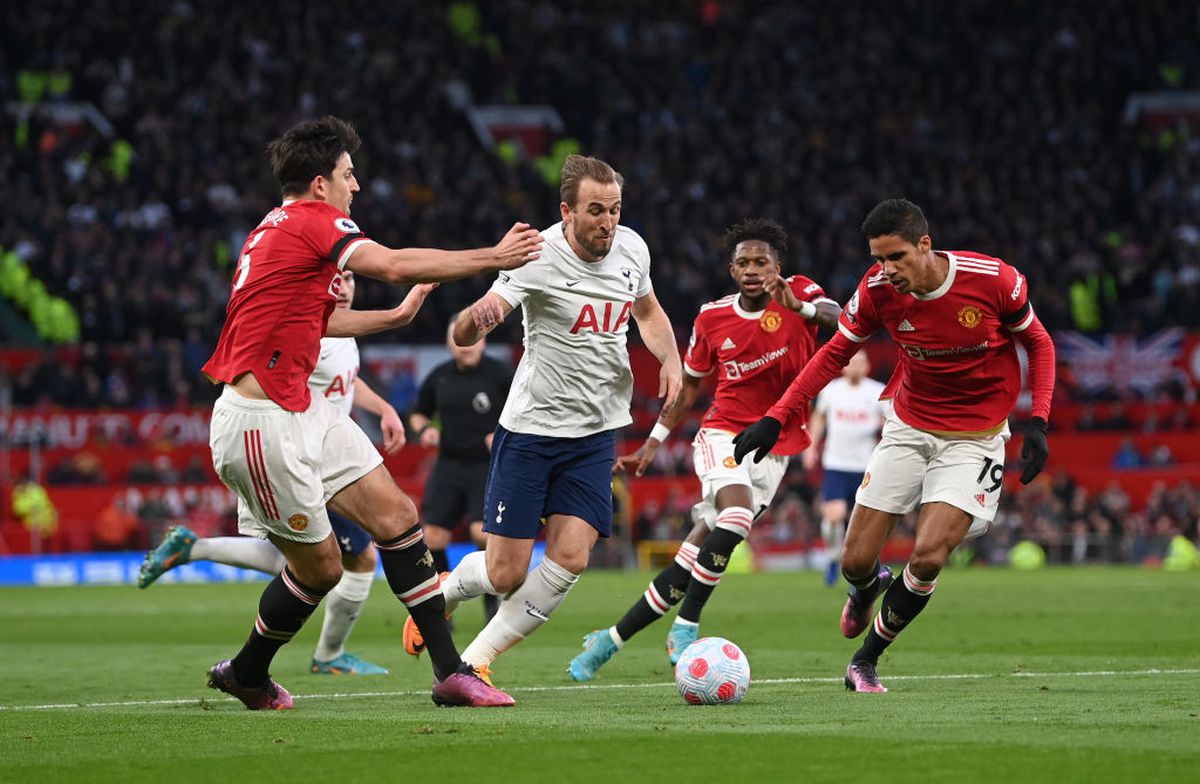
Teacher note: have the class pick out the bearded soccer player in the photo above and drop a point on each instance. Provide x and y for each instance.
(554, 449)
(287, 453)
(955, 315)
(756, 341)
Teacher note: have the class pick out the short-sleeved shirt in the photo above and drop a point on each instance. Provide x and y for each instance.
(467, 401)
(574, 378)
(756, 354)
(853, 418)
(336, 371)
(285, 286)
(958, 373)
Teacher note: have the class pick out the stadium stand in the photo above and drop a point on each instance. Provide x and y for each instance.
(134, 167)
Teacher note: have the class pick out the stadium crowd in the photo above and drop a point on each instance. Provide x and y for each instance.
(1007, 122)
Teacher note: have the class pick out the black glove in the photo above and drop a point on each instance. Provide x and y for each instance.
(762, 435)
(1035, 450)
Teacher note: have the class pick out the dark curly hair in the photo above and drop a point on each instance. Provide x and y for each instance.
(763, 229)
(308, 150)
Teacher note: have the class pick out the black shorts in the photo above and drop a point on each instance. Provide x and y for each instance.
(454, 492)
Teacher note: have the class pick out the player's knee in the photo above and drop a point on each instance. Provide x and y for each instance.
(319, 574)
(571, 560)
(858, 563)
(363, 561)
(506, 578)
(926, 562)
(393, 517)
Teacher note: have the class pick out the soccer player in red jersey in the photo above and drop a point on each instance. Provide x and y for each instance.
(955, 315)
(756, 341)
(287, 453)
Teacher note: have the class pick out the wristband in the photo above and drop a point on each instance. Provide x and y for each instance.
(807, 310)
(660, 432)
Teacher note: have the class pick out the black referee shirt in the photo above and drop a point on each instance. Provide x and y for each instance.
(467, 403)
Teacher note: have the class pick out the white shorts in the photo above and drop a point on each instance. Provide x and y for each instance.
(911, 467)
(285, 466)
(713, 459)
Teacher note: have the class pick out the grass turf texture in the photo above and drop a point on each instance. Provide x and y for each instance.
(984, 687)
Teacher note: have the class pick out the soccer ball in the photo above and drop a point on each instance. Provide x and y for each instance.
(712, 671)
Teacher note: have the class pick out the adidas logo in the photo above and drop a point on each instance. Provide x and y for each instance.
(728, 344)
(906, 327)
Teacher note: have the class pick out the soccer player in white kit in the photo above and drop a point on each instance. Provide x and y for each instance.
(553, 452)
(336, 379)
(848, 414)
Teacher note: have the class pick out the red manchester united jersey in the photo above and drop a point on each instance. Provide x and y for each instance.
(958, 372)
(284, 289)
(755, 355)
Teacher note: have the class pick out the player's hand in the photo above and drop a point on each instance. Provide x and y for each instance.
(487, 312)
(431, 436)
(393, 431)
(487, 441)
(407, 310)
(1034, 450)
(760, 436)
(810, 458)
(670, 381)
(518, 247)
(781, 292)
(639, 461)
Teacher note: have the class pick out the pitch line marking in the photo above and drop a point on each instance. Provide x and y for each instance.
(966, 676)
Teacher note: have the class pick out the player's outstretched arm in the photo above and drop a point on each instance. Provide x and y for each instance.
(824, 367)
(519, 246)
(344, 323)
(1038, 345)
(659, 337)
(640, 460)
(484, 315)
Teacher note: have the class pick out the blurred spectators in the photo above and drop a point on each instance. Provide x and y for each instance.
(713, 111)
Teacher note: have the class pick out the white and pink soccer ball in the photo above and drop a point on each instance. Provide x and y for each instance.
(712, 671)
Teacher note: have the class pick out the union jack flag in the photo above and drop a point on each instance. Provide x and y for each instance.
(1121, 362)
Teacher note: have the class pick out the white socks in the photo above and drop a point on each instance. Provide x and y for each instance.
(342, 606)
(242, 551)
(522, 612)
(468, 580)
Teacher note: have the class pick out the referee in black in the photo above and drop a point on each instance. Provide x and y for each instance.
(465, 395)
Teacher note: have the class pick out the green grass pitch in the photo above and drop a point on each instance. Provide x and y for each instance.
(1058, 675)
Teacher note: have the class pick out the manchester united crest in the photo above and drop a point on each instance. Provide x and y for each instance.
(970, 316)
(298, 522)
(770, 321)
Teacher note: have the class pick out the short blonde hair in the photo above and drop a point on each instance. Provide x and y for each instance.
(577, 168)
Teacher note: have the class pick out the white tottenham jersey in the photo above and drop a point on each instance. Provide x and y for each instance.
(574, 379)
(853, 419)
(336, 369)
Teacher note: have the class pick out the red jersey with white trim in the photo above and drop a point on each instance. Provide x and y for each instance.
(756, 355)
(284, 289)
(958, 372)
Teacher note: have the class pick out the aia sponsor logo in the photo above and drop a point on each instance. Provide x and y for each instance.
(595, 319)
